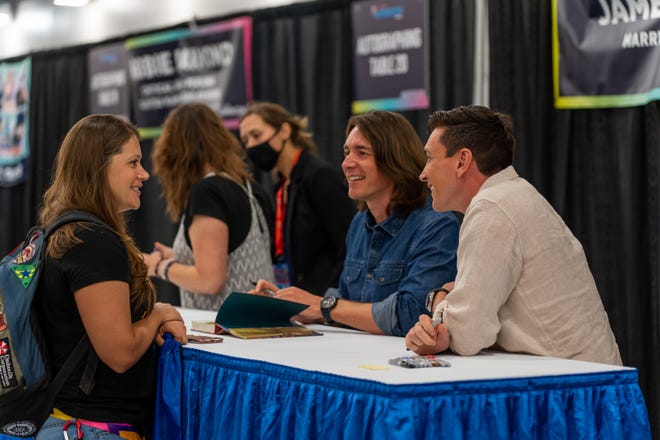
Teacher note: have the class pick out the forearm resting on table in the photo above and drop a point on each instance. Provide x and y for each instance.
(105, 311)
(128, 347)
(356, 315)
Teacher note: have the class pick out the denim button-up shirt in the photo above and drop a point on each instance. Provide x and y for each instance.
(396, 263)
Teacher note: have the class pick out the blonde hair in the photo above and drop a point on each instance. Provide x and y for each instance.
(80, 182)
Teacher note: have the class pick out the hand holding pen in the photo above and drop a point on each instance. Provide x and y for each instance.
(262, 287)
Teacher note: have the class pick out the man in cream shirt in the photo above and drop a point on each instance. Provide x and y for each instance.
(523, 282)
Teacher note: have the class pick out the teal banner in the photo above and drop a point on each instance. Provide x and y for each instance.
(14, 122)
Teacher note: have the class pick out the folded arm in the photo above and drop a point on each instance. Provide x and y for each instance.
(105, 311)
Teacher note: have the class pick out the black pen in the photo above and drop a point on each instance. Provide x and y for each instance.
(265, 290)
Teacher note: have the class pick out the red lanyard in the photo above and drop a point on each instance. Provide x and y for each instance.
(280, 209)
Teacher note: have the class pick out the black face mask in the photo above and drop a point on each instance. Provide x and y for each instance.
(263, 155)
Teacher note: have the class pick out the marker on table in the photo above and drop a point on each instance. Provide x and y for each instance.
(265, 290)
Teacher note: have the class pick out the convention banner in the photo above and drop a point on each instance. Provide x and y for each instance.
(391, 46)
(606, 53)
(14, 122)
(209, 64)
(108, 80)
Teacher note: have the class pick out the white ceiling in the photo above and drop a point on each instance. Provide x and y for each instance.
(38, 25)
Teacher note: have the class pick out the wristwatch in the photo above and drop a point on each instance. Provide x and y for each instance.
(430, 297)
(327, 304)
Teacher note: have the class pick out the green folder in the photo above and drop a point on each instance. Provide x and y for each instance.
(255, 316)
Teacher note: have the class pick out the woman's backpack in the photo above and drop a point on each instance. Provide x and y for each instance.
(27, 385)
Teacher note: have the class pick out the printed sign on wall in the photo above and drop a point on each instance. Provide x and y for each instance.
(14, 121)
(606, 53)
(390, 47)
(108, 80)
(209, 64)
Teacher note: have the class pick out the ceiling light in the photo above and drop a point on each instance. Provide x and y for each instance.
(72, 3)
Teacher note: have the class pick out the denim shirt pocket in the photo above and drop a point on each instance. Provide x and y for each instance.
(352, 274)
(387, 273)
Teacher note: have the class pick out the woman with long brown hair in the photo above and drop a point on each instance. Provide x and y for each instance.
(94, 281)
(223, 241)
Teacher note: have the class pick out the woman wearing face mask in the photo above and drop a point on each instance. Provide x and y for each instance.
(223, 242)
(313, 211)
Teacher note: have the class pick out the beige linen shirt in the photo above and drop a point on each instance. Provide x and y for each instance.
(523, 281)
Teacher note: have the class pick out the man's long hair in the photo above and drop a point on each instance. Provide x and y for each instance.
(399, 156)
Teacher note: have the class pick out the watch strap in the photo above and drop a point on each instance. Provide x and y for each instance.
(325, 311)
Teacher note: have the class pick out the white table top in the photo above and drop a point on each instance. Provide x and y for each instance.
(361, 355)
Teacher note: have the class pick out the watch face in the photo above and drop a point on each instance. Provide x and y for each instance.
(328, 302)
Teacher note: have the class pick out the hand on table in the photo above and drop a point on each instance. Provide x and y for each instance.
(423, 338)
(295, 294)
(176, 328)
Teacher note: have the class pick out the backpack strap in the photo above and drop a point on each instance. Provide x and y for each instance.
(67, 368)
(87, 380)
(84, 345)
(71, 216)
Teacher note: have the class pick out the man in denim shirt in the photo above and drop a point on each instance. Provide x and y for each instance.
(398, 248)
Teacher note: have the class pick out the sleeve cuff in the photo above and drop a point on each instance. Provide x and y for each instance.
(332, 291)
(439, 313)
(384, 313)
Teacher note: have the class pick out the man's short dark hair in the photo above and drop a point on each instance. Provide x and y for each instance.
(486, 133)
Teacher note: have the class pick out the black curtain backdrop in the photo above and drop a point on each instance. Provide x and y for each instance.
(302, 59)
(599, 168)
(58, 99)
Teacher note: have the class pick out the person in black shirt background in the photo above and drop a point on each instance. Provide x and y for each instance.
(223, 241)
(313, 210)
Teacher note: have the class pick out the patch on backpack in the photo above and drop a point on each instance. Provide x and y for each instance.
(7, 374)
(20, 428)
(25, 273)
(3, 321)
(26, 255)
